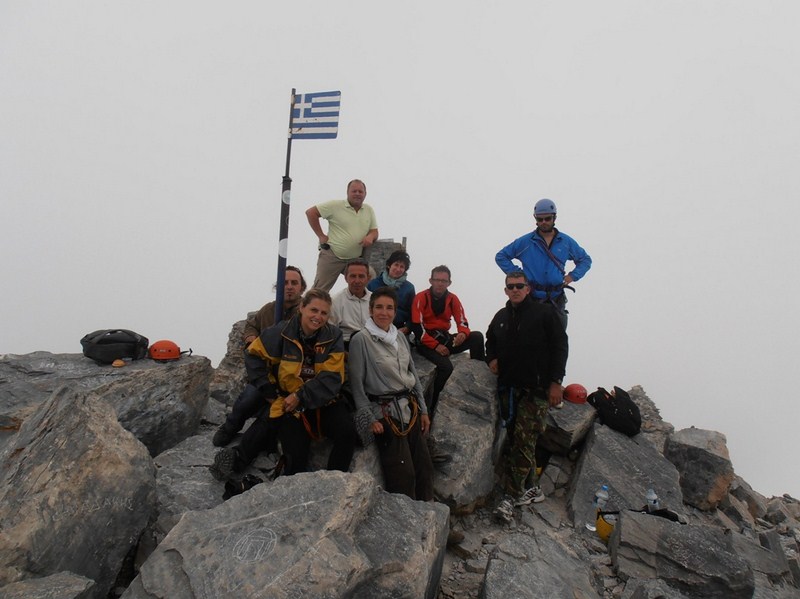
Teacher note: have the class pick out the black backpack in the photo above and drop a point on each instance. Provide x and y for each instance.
(107, 345)
(617, 411)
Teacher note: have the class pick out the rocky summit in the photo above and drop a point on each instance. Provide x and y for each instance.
(106, 493)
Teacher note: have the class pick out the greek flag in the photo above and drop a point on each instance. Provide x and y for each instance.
(316, 115)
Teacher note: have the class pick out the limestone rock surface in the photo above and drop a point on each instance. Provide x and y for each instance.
(699, 561)
(566, 427)
(322, 534)
(629, 466)
(533, 566)
(229, 376)
(160, 403)
(464, 428)
(77, 490)
(705, 468)
(63, 585)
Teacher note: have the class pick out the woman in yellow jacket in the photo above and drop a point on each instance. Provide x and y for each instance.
(298, 366)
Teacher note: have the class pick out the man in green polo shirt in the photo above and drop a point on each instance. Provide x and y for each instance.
(352, 228)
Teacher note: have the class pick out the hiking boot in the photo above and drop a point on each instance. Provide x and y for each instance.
(532, 495)
(234, 486)
(504, 512)
(223, 436)
(222, 467)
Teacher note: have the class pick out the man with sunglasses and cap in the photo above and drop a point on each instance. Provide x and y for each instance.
(527, 348)
(543, 254)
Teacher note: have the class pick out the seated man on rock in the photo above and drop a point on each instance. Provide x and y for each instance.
(250, 400)
(432, 313)
(350, 309)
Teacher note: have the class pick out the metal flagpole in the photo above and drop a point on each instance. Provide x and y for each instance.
(317, 118)
(283, 235)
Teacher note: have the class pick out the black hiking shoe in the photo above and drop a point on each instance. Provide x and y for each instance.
(222, 467)
(235, 486)
(223, 436)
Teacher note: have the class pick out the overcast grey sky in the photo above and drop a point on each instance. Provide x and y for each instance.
(142, 146)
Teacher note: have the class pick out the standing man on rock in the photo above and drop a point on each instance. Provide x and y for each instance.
(544, 254)
(250, 400)
(350, 309)
(526, 347)
(352, 228)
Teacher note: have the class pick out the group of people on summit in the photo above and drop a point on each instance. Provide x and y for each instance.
(342, 367)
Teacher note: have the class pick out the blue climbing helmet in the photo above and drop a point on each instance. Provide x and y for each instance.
(544, 207)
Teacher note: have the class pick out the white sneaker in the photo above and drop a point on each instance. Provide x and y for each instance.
(532, 495)
(504, 512)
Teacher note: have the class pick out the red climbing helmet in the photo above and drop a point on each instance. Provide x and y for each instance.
(165, 350)
(575, 393)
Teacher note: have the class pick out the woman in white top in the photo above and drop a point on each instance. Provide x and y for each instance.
(389, 400)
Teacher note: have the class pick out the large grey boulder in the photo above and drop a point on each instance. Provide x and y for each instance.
(629, 466)
(556, 476)
(737, 512)
(699, 561)
(159, 402)
(766, 558)
(77, 490)
(650, 589)
(184, 483)
(464, 428)
(654, 428)
(322, 534)
(756, 503)
(229, 376)
(566, 427)
(63, 585)
(535, 566)
(705, 468)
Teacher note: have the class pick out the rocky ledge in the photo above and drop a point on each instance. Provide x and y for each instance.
(106, 493)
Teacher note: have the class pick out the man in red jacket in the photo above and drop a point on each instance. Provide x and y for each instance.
(431, 315)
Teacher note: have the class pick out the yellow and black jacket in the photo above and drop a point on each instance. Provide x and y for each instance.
(275, 358)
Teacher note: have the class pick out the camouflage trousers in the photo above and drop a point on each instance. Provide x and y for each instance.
(526, 412)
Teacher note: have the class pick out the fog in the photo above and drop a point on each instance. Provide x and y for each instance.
(142, 146)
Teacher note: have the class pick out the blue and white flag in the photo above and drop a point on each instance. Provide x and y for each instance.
(316, 115)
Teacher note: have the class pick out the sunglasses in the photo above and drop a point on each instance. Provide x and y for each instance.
(543, 219)
(512, 286)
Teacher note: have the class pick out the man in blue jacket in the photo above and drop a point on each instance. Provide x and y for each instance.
(544, 254)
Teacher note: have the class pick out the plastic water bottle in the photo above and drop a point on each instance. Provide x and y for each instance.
(652, 501)
(598, 503)
(600, 498)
